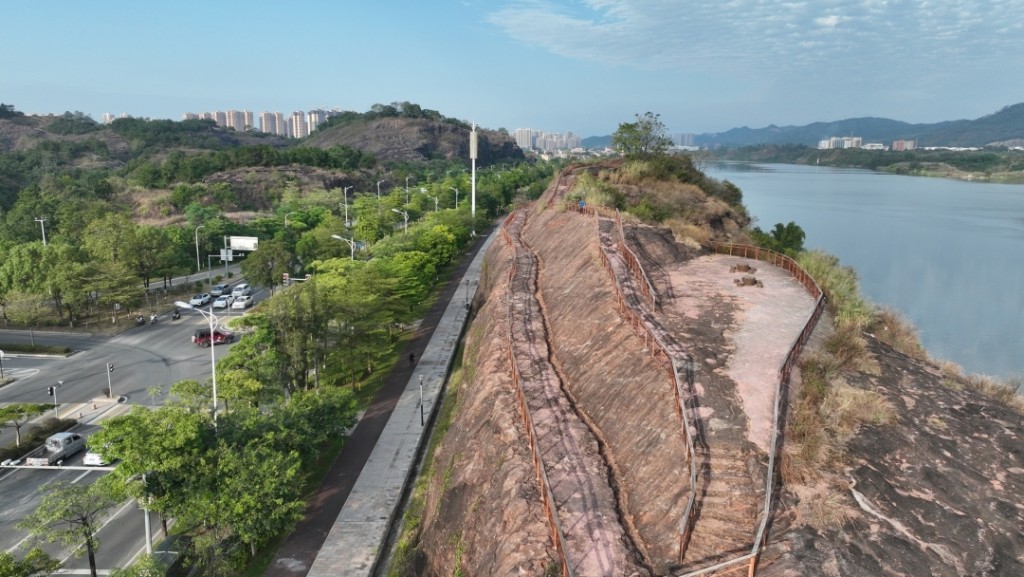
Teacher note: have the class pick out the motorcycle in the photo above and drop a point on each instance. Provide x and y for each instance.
(152, 319)
(175, 315)
(140, 320)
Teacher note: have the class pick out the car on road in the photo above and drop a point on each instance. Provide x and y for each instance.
(219, 289)
(243, 302)
(94, 459)
(241, 289)
(199, 300)
(223, 302)
(220, 336)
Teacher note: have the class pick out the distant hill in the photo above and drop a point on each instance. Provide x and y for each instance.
(399, 139)
(1002, 128)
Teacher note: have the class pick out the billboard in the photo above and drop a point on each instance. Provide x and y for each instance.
(249, 243)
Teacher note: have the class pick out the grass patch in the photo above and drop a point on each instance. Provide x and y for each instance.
(34, 349)
(892, 329)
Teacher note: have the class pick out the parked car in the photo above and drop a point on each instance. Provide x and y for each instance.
(220, 336)
(223, 302)
(241, 289)
(200, 300)
(243, 302)
(219, 289)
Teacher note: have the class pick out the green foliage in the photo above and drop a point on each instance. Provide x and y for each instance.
(36, 563)
(787, 239)
(840, 286)
(73, 123)
(644, 138)
(17, 415)
(71, 513)
(8, 111)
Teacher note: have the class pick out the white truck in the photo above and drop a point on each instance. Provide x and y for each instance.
(58, 448)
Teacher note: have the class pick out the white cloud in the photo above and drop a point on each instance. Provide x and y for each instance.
(768, 36)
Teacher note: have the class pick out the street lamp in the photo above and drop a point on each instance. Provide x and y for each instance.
(378, 189)
(351, 244)
(199, 265)
(405, 215)
(407, 189)
(456, 198)
(42, 224)
(213, 358)
(345, 193)
(286, 219)
(436, 200)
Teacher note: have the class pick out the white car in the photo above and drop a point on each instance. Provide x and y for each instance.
(223, 302)
(241, 290)
(243, 302)
(199, 300)
(94, 459)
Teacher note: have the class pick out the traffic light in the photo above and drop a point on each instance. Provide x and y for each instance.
(284, 279)
(49, 391)
(110, 367)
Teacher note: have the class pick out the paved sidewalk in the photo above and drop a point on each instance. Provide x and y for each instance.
(346, 524)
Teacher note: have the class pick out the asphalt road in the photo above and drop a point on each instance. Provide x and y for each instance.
(144, 357)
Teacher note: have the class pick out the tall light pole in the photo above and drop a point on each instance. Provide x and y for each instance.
(42, 224)
(286, 219)
(199, 265)
(345, 192)
(213, 358)
(405, 215)
(378, 190)
(351, 244)
(456, 198)
(472, 160)
(407, 189)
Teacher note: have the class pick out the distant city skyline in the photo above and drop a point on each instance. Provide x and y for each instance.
(565, 65)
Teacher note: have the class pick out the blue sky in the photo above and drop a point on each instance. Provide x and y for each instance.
(554, 65)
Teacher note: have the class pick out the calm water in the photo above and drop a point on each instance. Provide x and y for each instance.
(948, 255)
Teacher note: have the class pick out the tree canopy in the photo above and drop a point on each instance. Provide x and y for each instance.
(645, 137)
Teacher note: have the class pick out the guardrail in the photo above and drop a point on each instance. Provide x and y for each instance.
(659, 350)
(785, 371)
(548, 497)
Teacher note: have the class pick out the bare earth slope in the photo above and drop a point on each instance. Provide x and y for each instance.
(936, 493)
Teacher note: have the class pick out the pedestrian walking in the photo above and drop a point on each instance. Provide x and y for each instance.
(412, 359)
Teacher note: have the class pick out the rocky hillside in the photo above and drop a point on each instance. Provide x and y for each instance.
(417, 139)
(934, 490)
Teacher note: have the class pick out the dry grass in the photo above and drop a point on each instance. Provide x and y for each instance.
(892, 329)
(692, 235)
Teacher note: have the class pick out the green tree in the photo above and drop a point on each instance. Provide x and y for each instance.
(267, 264)
(36, 563)
(145, 566)
(70, 513)
(26, 309)
(787, 239)
(643, 138)
(17, 415)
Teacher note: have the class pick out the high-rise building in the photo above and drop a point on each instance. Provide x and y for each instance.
(247, 119)
(221, 118)
(299, 128)
(236, 120)
(268, 122)
(316, 118)
(108, 118)
(525, 137)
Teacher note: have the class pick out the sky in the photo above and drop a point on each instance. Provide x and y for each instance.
(583, 66)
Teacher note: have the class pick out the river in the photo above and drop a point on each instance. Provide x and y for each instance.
(947, 254)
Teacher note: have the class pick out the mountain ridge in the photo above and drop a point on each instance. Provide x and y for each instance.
(1004, 127)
